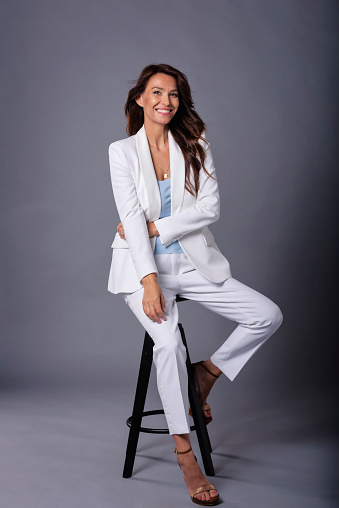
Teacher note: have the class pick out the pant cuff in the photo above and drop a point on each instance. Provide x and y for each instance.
(178, 429)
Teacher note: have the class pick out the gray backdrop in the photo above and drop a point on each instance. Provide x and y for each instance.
(264, 77)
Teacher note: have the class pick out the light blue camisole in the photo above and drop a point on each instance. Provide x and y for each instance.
(165, 193)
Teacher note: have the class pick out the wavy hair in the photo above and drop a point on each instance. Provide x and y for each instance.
(186, 126)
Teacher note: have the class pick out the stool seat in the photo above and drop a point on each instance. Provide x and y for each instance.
(180, 299)
(134, 421)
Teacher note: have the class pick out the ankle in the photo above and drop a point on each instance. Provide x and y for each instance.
(186, 457)
(214, 371)
(181, 442)
(183, 452)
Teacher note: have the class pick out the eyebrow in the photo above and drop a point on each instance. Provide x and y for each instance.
(159, 87)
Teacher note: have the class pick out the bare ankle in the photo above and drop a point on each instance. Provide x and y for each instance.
(182, 443)
(213, 368)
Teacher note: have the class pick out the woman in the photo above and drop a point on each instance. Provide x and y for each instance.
(166, 193)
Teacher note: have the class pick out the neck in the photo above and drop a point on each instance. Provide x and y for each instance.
(157, 134)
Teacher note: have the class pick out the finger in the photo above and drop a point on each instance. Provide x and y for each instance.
(162, 301)
(155, 318)
(145, 307)
(150, 313)
(121, 231)
(160, 313)
(154, 315)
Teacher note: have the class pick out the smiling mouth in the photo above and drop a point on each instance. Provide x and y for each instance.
(164, 111)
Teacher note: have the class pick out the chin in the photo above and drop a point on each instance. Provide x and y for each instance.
(163, 121)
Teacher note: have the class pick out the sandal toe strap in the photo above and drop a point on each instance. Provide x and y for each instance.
(203, 488)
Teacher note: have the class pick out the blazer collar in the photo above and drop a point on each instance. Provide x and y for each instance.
(177, 164)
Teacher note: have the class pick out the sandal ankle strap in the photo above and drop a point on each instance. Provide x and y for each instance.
(208, 370)
(182, 453)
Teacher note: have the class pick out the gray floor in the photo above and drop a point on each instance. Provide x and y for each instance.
(62, 448)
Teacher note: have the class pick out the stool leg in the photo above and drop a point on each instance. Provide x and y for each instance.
(200, 427)
(139, 404)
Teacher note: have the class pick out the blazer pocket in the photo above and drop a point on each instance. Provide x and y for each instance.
(208, 236)
(119, 243)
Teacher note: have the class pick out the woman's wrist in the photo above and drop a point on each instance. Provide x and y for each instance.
(149, 279)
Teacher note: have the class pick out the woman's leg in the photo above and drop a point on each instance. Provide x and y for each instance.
(257, 316)
(169, 355)
(170, 360)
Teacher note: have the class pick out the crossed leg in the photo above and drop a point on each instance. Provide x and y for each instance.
(257, 316)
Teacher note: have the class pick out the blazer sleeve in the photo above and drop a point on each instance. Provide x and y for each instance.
(205, 211)
(130, 212)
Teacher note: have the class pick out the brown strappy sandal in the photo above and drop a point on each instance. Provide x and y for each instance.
(204, 488)
(204, 407)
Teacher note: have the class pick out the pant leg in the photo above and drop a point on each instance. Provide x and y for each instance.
(258, 316)
(169, 353)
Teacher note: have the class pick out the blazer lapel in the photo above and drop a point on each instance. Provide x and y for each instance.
(177, 164)
(147, 170)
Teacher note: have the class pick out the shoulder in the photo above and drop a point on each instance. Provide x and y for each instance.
(123, 145)
(204, 142)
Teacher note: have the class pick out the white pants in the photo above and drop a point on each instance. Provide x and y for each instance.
(257, 315)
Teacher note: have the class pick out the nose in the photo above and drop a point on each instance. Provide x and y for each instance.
(166, 100)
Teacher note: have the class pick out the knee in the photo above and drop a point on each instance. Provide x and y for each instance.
(274, 317)
(170, 346)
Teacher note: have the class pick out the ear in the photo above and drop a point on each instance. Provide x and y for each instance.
(139, 101)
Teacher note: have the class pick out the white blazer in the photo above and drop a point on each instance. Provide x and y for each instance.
(137, 197)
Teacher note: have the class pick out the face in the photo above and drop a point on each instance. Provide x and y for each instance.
(160, 99)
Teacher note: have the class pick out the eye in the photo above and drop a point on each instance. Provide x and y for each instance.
(174, 94)
(156, 91)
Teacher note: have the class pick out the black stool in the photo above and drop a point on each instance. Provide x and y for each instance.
(134, 421)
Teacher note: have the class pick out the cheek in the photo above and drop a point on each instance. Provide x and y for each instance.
(151, 103)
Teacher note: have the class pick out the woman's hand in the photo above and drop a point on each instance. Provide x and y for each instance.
(152, 230)
(121, 231)
(153, 301)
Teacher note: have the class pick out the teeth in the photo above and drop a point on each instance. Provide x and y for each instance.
(164, 110)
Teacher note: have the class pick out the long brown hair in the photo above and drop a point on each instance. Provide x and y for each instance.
(186, 125)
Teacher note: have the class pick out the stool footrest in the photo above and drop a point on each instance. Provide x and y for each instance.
(149, 430)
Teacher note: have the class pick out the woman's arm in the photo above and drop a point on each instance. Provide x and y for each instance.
(205, 211)
(130, 212)
(136, 233)
(152, 230)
